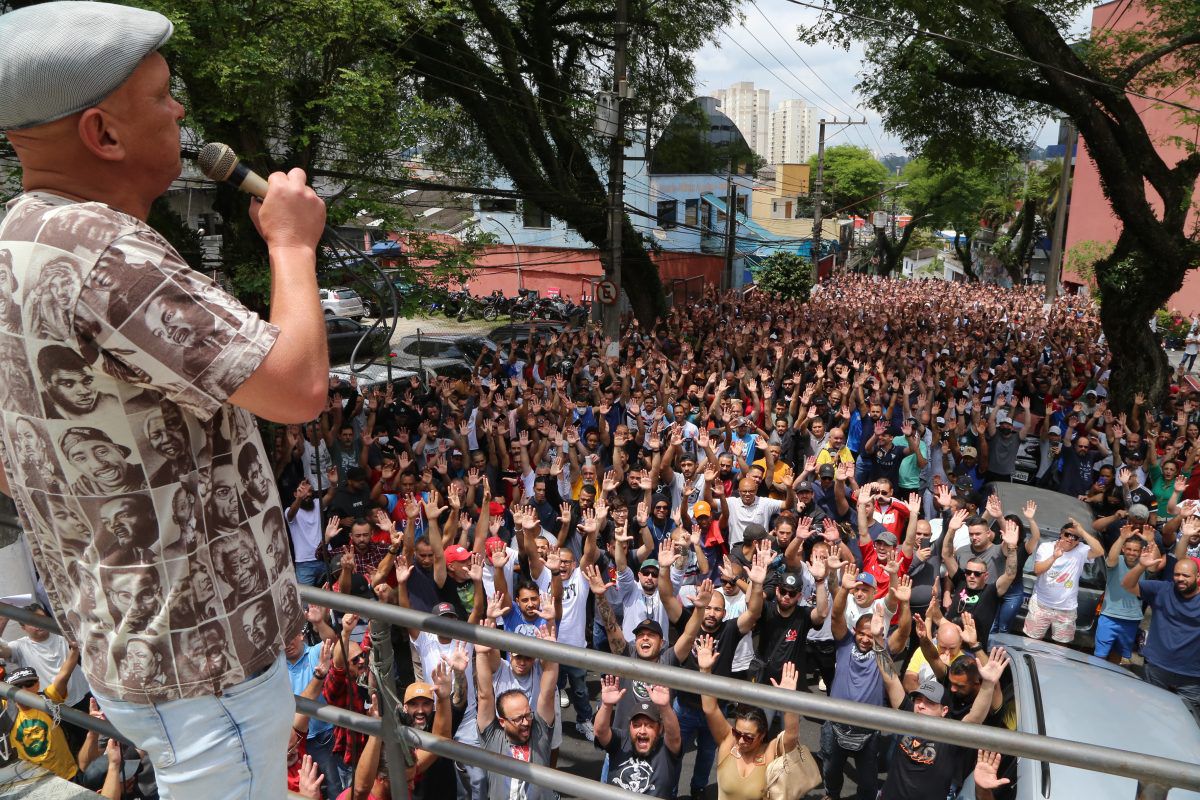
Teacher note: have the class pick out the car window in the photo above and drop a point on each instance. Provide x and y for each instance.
(344, 326)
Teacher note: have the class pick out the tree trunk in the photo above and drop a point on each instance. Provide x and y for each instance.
(1138, 361)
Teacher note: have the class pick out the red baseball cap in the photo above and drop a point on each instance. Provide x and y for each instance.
(456, 553)
(492, 544)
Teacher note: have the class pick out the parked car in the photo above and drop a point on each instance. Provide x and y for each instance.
(520, 331)
(343, 333)
(452, 355)
(1058, 692)
(341, 301)
(380, 294)
(1054, 510)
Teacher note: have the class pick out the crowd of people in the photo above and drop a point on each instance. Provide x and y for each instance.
(796, 494)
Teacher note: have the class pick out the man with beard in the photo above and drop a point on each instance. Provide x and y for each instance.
(304, 525)
(727, 633)
(167, 435)
(510, 726)
(236, 559)
(429, 709)
(134, 596)
(128, 533)
(971, 588)
(645, 757)
(1121, 612)
(102, 464)
(1172, 650)
(224, 510)
(69, 384)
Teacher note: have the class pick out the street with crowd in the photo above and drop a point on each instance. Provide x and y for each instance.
(797, 494)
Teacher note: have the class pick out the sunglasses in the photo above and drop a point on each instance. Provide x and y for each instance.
(1069, 536)
(787, 592)
(742, 736)
(975, 572)
(650, 573)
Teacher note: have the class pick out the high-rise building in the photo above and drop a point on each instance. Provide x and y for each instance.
(793, 132)
(750, 110)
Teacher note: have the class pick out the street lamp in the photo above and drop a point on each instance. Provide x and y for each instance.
(516, 253)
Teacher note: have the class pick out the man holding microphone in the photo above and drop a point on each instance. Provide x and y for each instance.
(85, 102)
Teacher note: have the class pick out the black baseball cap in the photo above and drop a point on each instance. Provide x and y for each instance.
(647, 710)
(23, 676)
(648, 625)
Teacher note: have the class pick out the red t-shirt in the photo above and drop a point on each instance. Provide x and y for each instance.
(894, 519)
(871, 564)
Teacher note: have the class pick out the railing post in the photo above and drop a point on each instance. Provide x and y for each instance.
(384, 661)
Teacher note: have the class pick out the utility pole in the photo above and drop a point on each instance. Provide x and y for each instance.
(819, 186)
(1054, 270)
(730, 226)
(616, 176)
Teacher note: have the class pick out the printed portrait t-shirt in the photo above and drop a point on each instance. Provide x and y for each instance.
(148, 502)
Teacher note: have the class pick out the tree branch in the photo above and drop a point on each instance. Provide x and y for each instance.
(1146, 59)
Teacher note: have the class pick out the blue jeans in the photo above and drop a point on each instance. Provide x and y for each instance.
(1186, 686)
(310, 573)
(207, 747)
(1010, 604)
(320, 747)
(866, 765)
(693, 727)
(577, 676)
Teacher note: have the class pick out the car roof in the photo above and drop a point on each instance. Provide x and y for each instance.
(1086, 699)
(1054, 509)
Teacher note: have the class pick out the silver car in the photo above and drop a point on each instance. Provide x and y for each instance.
(1059, 692)
(340, 301)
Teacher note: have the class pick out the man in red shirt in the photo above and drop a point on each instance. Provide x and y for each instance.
(877, 554)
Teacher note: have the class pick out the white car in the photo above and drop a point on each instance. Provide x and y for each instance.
(341, 301)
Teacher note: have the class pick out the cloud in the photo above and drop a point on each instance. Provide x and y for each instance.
(767, 53)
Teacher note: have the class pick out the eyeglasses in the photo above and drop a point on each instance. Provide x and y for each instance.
(742, 736)
(1069, 536)
(662, 507)
(518, 720)
(975, 572)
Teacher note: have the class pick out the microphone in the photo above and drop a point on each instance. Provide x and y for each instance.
(218, 162)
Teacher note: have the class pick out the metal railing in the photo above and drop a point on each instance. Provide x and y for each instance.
(1149, 769)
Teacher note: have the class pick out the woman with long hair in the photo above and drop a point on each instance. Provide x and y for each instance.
(743, 750)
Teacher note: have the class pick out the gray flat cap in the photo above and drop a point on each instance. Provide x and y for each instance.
(62, 57)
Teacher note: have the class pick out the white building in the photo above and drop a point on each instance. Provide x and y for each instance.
(793, 132)
(750, 110)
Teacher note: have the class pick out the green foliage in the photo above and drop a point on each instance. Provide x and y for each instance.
(175, 230)
(786, 276)
(1169, 327)
(1082, 257)
(852, 178)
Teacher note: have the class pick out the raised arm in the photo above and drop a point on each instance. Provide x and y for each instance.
(706, 657)
(883, 660)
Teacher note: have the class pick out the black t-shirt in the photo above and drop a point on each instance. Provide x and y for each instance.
(887, 464)
(921, 769)
(782, 639)
(981, 605)
(350, 504)
(637, 692)
(654, 775)
(725, 640)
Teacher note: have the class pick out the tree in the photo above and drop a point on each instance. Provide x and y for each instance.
(687, 147)
(310, 84)
(786, 276)
(949, 95)
(526, 74)
(1019, 225)
(853, 178)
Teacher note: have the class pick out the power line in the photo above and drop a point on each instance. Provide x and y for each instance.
(996, 51)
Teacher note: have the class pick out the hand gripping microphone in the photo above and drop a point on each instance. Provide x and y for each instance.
(218, 162)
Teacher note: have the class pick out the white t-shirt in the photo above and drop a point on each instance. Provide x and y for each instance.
(694, 495)
(572, 628)
(741, 515)
(46, 658)
(1058, 587)
(305, 530)
(855, 612)
(638, 605)
(431, 652)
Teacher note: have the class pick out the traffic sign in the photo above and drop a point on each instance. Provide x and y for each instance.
(606, 292)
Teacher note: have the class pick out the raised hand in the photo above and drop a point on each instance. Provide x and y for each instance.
(596, 580)
(788, 679)
(902, 589)
(1029, 510)
(706, 656)
(914, 503)
(987, 771)
(970, 635)
(830, 531)
(997, 662)
(495, 606)
(610, 690)
(957, 520)
(475, 571)
(546, 608)
(659, 695)
(442, 679)
(309, 780)
(1010, 533)
(993, 507)
(553, 559)
(762, 561)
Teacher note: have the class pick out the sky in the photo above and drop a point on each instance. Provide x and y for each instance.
(733, 59)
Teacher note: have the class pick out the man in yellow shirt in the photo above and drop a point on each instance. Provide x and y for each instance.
(34, 735)
(835, 449)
